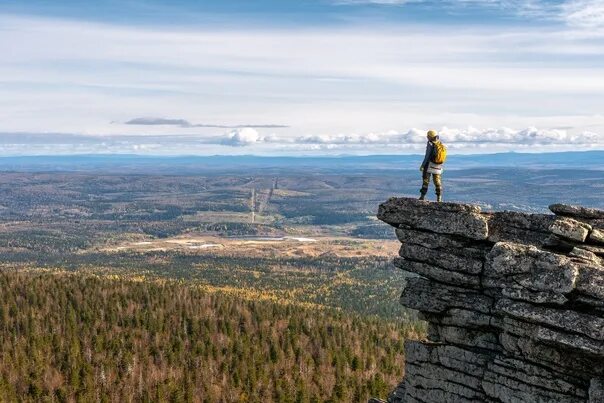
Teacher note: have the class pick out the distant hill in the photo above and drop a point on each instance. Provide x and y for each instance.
(593, 160)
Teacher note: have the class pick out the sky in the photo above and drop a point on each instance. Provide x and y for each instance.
(303, 77)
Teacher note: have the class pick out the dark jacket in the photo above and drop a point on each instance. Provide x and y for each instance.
(429, 154)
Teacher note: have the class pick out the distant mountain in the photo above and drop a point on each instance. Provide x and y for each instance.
(593, 160)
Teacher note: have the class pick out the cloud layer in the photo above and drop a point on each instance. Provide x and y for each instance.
(356, 88)
(584, 13)
(249, 140)
(149, 121)
(577, 13)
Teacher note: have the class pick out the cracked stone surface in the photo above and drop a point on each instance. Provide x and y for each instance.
(597, 236)
(570, 229)
(446, 218)
(514, 303)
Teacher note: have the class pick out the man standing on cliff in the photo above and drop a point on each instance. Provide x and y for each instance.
(436, 153)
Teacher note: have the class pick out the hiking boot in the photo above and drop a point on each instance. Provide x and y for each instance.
(439, 198)
(422, 197)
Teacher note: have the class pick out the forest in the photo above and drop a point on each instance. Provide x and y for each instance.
(81, 337)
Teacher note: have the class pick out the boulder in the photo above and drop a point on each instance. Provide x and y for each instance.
(571, 229)
(597, 236)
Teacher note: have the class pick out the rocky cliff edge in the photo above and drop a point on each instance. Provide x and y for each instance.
(514, 302)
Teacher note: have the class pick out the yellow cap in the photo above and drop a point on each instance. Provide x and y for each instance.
(432, 134)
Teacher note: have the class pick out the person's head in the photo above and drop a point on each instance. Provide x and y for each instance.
(432, 135)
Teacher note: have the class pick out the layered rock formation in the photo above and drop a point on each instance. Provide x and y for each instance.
(514, 302)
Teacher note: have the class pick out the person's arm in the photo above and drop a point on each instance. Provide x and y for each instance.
(429, 148)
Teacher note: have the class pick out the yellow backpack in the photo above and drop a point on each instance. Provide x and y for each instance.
(440, 153)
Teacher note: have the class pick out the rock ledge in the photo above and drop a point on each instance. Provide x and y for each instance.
(514, 303)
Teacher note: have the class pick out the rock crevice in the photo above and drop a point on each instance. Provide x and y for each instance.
(514, 302)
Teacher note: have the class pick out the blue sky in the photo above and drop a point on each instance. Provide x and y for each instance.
(300, 77)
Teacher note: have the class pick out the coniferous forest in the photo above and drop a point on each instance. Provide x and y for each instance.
(80, 337)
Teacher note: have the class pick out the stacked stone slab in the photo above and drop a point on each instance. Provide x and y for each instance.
(514, 303)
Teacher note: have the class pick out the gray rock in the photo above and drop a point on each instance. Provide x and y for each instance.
(419, 394)
(584, 254)
(532, 222)
(569, 321)
(521, 266)
(445, 218)
(590, 281)
(537, 297)
(571, 229)
(431, 297)
(510, 390)
(462, 336)
(515, 309)
(596, 236)
(596, 391)
(558, 245)
(558, 339)
(508, 226)
(569, 341)
(596, 223)
(529, 375)
(437, 380)
(562, 246)
(432, 240)
(596, 250)
(442, 258)
(463, 318)
(557, 359)
(398, 394)
(596, 304)
(459, 359)
(576, 211)
(438, 273)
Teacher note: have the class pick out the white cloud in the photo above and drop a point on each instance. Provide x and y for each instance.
(242, 137)
(587, 14)
(410, 141)
(154, 121)
(467, 137)
(337, 88)
(527, 136)
(526, 7)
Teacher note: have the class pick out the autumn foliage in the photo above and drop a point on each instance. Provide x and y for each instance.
(79, 337)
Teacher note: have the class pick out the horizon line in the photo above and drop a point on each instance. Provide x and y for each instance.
(287, 156)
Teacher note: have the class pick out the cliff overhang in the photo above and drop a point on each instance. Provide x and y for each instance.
(514, 302)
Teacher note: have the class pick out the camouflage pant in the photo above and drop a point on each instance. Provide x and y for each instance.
(426, 182)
